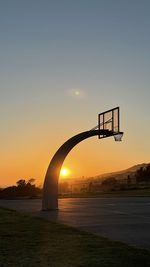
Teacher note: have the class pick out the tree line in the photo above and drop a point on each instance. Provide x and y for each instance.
(22, 188)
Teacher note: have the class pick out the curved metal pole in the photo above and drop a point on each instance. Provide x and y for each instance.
(50, 188)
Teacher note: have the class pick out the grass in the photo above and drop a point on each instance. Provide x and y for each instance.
(121, 193)
(34, 242)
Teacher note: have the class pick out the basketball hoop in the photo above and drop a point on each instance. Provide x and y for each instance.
(118, 137)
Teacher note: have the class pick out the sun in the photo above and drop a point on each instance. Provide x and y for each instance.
(64, 172)
(77, 93)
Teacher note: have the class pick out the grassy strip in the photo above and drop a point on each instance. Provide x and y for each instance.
(33, 242)
(122, 193)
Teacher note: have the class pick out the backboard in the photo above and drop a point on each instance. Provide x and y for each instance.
(109, 120)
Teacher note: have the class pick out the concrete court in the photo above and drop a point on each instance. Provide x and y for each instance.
(123, 219)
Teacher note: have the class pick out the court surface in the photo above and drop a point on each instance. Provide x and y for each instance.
(123, 219)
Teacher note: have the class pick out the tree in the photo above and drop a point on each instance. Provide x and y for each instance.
(109, 184)
(21, 183)
(128, 180)
(23, 189)
(143, 174)
(31, 181)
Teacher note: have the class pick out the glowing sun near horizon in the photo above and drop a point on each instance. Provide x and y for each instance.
(64, 173)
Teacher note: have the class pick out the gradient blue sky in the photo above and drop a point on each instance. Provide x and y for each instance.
(49, 50)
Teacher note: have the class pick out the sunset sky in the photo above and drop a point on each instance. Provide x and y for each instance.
(61, 63)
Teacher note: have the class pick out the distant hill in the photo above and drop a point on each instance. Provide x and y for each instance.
(121, 174)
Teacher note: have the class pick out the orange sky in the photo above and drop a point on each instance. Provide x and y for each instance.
(90, 157)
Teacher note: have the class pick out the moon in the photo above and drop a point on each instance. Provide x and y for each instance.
(76, 93)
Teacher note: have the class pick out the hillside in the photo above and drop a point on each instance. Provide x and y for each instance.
(121, 174)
